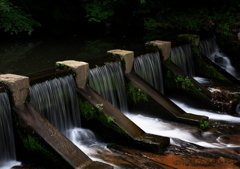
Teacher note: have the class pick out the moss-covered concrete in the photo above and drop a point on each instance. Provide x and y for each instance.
(35, 149)
(94, 112)
(204, 68)
(175, 79)
(59, 144)
(114, 125)
(167, 106)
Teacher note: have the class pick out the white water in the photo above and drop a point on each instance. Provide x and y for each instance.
(210, 49)
(7, 143)
(182, 132)
(86, 141)
(212, 116)
(172, 130)
(182, 57)
(108, 81)
(10, 164)
(57, 100)
(148, 66)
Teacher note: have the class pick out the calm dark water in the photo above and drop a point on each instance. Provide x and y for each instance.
(24, 56)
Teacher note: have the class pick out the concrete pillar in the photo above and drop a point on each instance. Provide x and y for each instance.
(80, 68)
(128, 58)
(18, 86)
(165, 48)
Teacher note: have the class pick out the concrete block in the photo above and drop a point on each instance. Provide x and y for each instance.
(80, 68)
(128, 58)
(165, 48)
(18, 86)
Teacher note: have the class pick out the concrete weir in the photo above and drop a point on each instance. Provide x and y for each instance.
(166, 103)
(30, 118)
(149, 142)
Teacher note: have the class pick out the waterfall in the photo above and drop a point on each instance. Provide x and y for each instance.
(108, 81)
(148, 66)
(57, 101)
(7, 143)
(210, 49)
(182, 57)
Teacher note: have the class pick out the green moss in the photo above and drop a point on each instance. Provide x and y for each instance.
(150, 44)
(136, 95)
(206, 70)
(91, 112)
(188, 35)
(32, 144)
(62, 66)
(185, 83)
(172, 81)
(203, 124)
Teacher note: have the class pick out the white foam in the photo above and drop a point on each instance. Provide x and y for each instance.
(159, 127)
(10, 164)
(212, 116)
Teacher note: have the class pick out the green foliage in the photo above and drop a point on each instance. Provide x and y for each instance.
(62, 66)
(185, 83)
(220, 17)
(136, 95)
(89, 112)
(99, 107)
(150, 44)
(208, 71)
(203, 124)
(14, 20)
(98, 11)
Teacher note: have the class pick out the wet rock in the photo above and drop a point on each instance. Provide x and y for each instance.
(187, 145)
(137, 159)
(233, 139)
(227, 153)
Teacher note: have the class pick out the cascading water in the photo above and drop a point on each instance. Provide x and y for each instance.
(210, 49)
(108, 81)
(7, 143)
(175, 131)
(148, 66)
(57, 101)
(183, 132)
(182, 57)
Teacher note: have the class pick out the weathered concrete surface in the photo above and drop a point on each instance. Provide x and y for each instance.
(18, 86)
(132, 129)
(173, 109)
(63, 146)
(128, 57)
(149, 142)
(178, 72)
(165, 47)
(81, 70)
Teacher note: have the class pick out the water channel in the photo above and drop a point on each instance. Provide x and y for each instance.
(20, 58)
